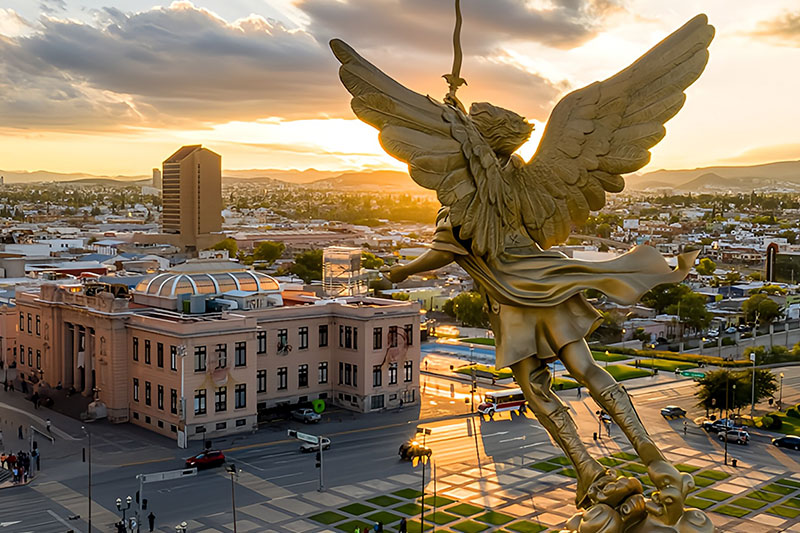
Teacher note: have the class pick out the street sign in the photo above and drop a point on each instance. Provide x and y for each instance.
(313, 439)
(690, 374)
(165, 476)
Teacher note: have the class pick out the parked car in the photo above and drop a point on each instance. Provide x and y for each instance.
(718, 425)
(306, 415)
(309, 447)
(739, 436)
(731, 330)
(787, 441)
(410, 449)
(673, 411)
(744, 328)
(712, 333)
(206, 459)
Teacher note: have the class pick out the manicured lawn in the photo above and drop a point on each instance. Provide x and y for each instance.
(610, 461)
(495, 518)
(764, 496)
(784, 511)
(569, 472)
(480, 340)
(545, 466)
(383, 516)
(408, 493)
(383, 501)
(408, 509)
(716, 475)
(560, 383)
(778, 489)
(624, 372)
(611, 357)
(703, 481)
(732, 510)
(437, 501)
(714, 494)
(525, 527)
(788, 482)
(789, 425)
(357, 508)
(563, 461)
(645, 479)
(469, 526)
(327, 517)
(686, 468)
(440, 518)
(793, 502)
(749, 503)
(625, 455)
(635, 468)
(700, 503)
(488, 369)
(465, 509)
(665, 365)
(413, 526)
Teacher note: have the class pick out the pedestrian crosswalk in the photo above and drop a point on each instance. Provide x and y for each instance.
(30, 512)
(77, 504)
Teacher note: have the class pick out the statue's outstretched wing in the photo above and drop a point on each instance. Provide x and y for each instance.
(606, 129)
(442, 147)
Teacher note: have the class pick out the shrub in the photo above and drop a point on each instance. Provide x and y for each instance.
(763, 422)
(793, 412)
(775, 423)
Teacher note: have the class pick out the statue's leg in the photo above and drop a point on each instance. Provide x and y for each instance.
(535, 380)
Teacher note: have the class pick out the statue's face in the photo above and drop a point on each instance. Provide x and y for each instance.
(504, 130)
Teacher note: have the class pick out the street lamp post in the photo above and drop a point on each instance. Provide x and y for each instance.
(89, 458)
(474, 378)
(780, 394)
(122, 509)
(423, 459)
(623, 338)
(181, 528)
(232, 471)
(608, 356)
(753, 387)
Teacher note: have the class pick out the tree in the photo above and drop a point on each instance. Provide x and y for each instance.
(691, 309)
(761, 305)
(604, 230)
(227, 244)
(706, 267)
(712, 388)
(268, 251)
(308, 265)
(469, 310)
(371, 261)
(663, 296)
(447, 308)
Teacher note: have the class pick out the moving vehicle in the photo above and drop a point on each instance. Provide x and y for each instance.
(306, 415)
(718, 425)
(412, 448)
(671, 411)
(308, 447)
(739, 436)
(206, 459)
(730, 330)
(787, 441)
(502, 400)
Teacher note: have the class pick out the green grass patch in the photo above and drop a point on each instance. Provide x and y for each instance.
(610, 357)
(784, 511)
(749, 503)
(383, 501)
(560, 383)
(470, 526)
(686, 468)
(764, 496)
(793, 502)
(414, 527)
(610, 461)
(525, 527)
(703, 481)
(495, 518)
(408, 509)
(483, 370)
(440, 518)
(625, 455)
(349, 527)
(732, 510)
(409, 494)
(357, 509)
(383, 516)
(716, 475)
(327, 517)
(569, 472)
(478, 340)
(636, 468)
(645, 479)
(700, 503)
(563, 461)
(778, 489)
(788, 483)
(665, 365)
(714, 494)
(437, 501)
(465, 509)
(545, 466)
(625, 372)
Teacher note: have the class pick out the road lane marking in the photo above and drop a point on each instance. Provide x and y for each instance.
(496, 434)
(63, 522)
(514, 438)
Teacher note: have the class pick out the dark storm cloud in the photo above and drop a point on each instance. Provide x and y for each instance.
(784, 30)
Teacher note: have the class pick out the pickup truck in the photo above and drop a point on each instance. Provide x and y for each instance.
(306, 415)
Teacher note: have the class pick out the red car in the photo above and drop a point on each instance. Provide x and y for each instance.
(206, 459)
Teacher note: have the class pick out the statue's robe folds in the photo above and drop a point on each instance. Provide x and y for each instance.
(535, 299)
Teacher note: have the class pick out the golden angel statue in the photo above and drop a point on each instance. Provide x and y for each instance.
(500, 215)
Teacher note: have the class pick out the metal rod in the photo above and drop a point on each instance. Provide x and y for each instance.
(321, 466)
(233, 497)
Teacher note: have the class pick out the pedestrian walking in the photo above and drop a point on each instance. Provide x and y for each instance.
(403, 527)
(35, 400)
(685, 426)
(47, 424)
(19, 433)
(579, 391)
(151, 520)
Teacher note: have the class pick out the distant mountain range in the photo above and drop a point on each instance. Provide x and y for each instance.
(776, 176)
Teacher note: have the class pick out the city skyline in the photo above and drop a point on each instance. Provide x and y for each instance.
(107, 90)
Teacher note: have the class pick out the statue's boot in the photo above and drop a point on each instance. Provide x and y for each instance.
(534, 379)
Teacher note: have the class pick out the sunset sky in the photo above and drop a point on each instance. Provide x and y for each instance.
(114, 86)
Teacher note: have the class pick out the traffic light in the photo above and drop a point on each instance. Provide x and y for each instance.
(137, 496)
(319, 460)
(144, 504)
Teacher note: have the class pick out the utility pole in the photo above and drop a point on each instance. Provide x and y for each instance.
(89, 437)
(232, 471)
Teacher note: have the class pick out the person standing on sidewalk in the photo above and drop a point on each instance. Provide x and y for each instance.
(47, 424)
(151, 520)
(19, 433)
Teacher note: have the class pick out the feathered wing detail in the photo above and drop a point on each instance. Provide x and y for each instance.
(606, 129)
(443, 149)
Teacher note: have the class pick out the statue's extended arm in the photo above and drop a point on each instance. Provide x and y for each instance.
(430, 260)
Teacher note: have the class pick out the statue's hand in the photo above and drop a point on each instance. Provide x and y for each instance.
(395, 274)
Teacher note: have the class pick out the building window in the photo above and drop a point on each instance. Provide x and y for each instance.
(38, 325)
(323, 335)
(377, 401)
(348, 373)
(322, 372)
(38, 359)
(221, 399)
(355, 375)
(408, 370)
(173, 357)
(22, 322)
(283, 373)
(222, 355)
(262, 341)
(348, 337)
(377, 338)
(221, 425)
(302, 376)
(135, 389)
(136, 348)
(261, 380)
(30, 356)
(392, 373)
(303, 338)
(199, 358)
(240, 353)
(377, 376)
(283, 341)
(341, 372)
(147, 393)
(146, 352)
(240, 396)
(393, 336)
(241, 422)
(21, 355)
(409, 331)
(29, 322)
(200, 402)
(160, 397)
(173, 401)
(160, 355)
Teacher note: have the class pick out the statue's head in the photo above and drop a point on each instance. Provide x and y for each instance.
(504, 130)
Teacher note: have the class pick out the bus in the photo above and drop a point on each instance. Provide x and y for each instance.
(502, 400)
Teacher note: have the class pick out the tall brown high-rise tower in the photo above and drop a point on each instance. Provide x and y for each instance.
(191, 194)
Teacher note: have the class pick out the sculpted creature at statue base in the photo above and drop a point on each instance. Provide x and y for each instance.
(500, 215)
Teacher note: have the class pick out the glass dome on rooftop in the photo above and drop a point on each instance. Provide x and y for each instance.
(171, 284)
